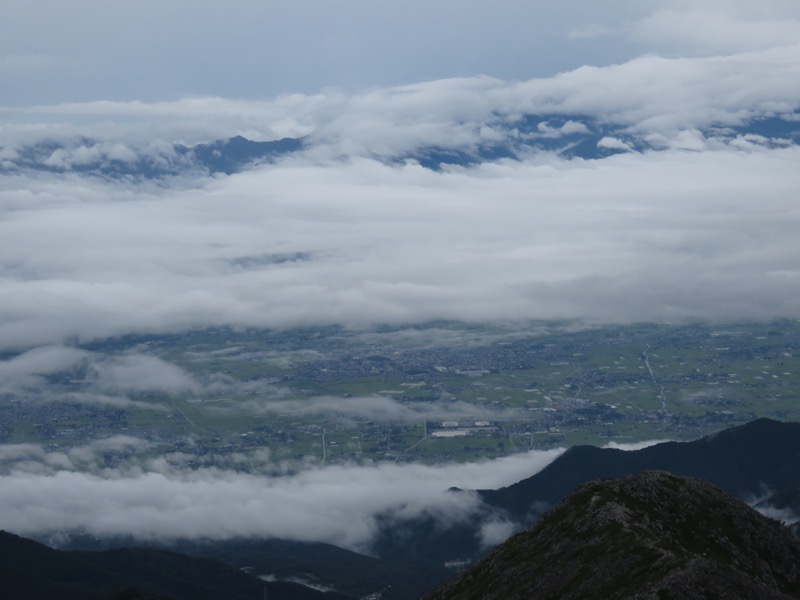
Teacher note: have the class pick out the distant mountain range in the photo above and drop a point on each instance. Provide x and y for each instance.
(758, 462)
(649, 535)
(586, 137)
(513, 138)
(110, 160)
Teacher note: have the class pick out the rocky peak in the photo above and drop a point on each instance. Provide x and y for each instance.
(650, 535)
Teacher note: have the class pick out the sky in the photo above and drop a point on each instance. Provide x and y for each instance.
(698, 227)
(53, 52)
(151, 51)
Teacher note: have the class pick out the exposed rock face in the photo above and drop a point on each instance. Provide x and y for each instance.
(647, 536)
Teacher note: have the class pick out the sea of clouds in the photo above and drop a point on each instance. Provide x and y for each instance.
(701, 227)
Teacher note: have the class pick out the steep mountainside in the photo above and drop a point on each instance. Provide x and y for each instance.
(650, 535)
(758, 462)
(758, 459)
(322, 565)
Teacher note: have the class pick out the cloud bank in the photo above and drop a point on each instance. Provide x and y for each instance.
(651, 94)
(46, 493)
(702, 225)
(662, 236)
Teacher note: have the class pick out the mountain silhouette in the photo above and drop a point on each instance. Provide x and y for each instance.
(29, 570)
(760, 459)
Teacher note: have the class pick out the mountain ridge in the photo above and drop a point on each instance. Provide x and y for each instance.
(651, 535)
(514, 137)
(741, 460)
(29, 569)
(756, 460)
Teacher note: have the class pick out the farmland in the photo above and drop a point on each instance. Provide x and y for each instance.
(436, 392)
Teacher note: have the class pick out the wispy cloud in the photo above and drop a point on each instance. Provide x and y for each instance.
(378, 408)
(706, 29)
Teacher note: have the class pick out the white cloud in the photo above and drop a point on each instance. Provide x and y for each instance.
(98, 399)
(67, 158)
(660, 235)
(784, 515)
(25, 369)
(568, 128)
(98, 379)
(634, 446)
(496, 531)
(650, 95)
(333, 504)
(41, 361)
(33, 459)
(141, 373)
(612, 143)
(378, 408)
(714, 28)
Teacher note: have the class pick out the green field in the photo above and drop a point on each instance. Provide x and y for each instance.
(334, 395)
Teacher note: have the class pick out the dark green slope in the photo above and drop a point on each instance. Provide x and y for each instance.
(324, 565)
(758, 457)
(32, 570)
(350, 573)
(747, 461)
(647, 536)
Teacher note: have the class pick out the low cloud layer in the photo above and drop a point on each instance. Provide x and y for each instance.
(47, 493)
(651, 94)
(353, 231)
(704, 226)
(379, 408)
(95, 377)
(141, 373)
(663, 236)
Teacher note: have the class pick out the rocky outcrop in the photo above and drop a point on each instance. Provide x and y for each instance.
(647, 536)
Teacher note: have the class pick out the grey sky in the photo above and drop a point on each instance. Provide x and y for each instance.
(53, 51)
